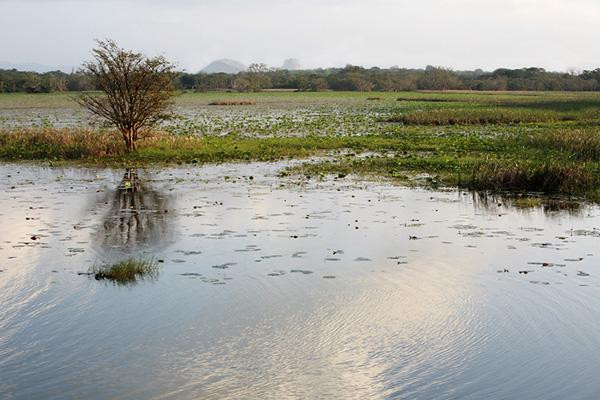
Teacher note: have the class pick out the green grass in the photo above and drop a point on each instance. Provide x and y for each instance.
(527, 202)
(126, 272)
(480, 116)
(543, 142)
(232, 103)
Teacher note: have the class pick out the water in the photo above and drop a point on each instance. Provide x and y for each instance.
(275, 288)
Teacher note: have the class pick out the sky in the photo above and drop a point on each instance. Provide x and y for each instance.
(461, 34)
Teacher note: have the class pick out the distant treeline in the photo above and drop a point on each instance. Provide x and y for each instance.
(350, 78)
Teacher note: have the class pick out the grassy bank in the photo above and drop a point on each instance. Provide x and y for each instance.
(558, 161)
(500, 141)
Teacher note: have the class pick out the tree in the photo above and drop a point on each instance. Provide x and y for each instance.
(136, 90)
(438, 78)
(258, 68)
(242, 83)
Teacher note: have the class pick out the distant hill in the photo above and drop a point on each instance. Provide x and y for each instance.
(34, 67)
(224, 65)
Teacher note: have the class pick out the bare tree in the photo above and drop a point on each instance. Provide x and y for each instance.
(137, 89)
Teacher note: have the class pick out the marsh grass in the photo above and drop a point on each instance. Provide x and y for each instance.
(525, 175)
(527, 202)
(232, 103)
(105, 146)
(126, 272)
(478, 116)
(582, 144)
(50, 143)
(426, 99)
(543, 142)
(497, 172)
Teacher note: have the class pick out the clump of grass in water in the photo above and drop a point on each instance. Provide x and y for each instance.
(527, 202)
(126, 272)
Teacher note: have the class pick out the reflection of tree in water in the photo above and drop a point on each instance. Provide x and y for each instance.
(137, 216)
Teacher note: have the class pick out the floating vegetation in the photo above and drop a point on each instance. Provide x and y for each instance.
(301, 271)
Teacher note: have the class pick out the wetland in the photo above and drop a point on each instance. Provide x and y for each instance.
(303, 245)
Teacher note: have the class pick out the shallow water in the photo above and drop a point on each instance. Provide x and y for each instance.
(276, 288)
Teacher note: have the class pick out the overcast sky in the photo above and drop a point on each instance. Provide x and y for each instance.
(462, 34)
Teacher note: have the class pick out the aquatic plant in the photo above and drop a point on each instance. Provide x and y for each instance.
(548, 176)
(126, 272)
(527, 202)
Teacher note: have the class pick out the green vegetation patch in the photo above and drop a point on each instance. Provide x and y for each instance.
(543, 142)
(232, 103)
(479, 116)
(527, 202)
(126, 272)
(59, 144)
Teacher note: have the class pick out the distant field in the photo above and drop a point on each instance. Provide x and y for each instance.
(533, 141)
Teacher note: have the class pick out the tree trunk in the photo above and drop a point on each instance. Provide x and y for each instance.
(129, 140)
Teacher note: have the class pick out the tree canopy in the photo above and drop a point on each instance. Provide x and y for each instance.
(136, 90)
(351, 78)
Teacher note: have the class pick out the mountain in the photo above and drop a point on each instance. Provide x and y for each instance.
(224, 65)
(34, 67)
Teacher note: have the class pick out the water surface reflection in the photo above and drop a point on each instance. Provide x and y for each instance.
(138, 216)
(310, 289)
